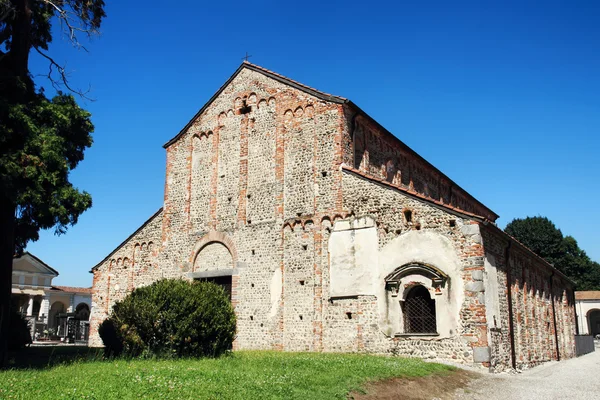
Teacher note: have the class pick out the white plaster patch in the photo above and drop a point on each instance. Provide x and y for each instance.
(424, 247)
(353, 247)
(276, 288)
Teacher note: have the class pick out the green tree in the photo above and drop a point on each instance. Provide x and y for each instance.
(41, 139)
(540, 235)
(546, 240)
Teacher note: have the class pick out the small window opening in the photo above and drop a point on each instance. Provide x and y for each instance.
(419, 311)
(248, 196)
(229, 199)
(349, 315)
(245, 108)
(300, 317)
(324, 173)
(252, 318)
(304, 246)
(261, 325)
(398, 231)
(252, 285)
(249, 222)
(253, 252)
(298, 214)
(408, 216)
(418, 227)
(452, 223)
(301, 283)
(223, 176)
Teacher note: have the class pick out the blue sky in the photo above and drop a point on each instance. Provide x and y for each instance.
(503, 97)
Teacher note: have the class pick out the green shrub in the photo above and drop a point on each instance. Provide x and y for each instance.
(20, 333)
(171, 318)
(113, 343)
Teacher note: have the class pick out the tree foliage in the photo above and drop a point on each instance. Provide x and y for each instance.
(546, 240)
(41, 139)
(171, 318)
(35, 177)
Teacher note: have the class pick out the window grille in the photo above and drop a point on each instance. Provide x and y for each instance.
(419, 311)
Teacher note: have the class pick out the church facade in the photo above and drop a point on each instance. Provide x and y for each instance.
(332, 235)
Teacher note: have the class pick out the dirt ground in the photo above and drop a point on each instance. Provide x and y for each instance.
(435, 386)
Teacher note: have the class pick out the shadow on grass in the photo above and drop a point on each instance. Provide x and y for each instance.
(50, 356)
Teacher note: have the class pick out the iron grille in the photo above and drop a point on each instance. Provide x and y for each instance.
(419, 312)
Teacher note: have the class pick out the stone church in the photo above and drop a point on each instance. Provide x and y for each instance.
(333, 235)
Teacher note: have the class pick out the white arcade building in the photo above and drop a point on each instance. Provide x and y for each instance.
(57, 313)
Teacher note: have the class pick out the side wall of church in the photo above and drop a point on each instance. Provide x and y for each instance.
(133, 265)
(371, 150)
(539, 301)
(352, 323)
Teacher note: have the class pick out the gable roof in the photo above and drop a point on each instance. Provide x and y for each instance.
(273, 75)
(36, 262)
(327, 97)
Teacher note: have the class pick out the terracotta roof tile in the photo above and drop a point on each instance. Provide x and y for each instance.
(73, 289)
(588, 295)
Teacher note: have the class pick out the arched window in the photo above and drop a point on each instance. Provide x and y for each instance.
(419, 311)
(82, 312)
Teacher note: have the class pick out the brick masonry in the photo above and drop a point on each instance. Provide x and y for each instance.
(263, 176)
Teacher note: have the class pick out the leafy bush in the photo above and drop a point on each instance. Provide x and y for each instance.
(20, 334)
(171, 318)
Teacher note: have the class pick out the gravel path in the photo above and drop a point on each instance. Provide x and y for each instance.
(577, 378)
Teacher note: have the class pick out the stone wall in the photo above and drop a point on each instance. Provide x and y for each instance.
(373, 151)
(533, 296)
(132, 264)
(431, 236)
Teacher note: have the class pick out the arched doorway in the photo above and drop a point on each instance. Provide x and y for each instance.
(214, 263)
(82, 312)
(56, 309)
(593, 318)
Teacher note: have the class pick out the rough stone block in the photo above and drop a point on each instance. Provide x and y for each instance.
(475, 286)
(481, 354)
(477, 275)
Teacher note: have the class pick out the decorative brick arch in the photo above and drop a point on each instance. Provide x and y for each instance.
(214, 237)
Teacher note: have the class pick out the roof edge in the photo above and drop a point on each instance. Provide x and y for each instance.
(273, 75)
(416, 195)
(126, 240)
(38, 260)
(420, 157)
(528, 250)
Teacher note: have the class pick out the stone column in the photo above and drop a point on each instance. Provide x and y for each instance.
(30, 307)
(71, 304)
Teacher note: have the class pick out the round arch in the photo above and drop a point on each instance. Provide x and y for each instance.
(214, 237)
(593, 320)
(82, 312)
(58, 307)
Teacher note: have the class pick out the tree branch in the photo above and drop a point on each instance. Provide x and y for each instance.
(69, 28)
(63, 76)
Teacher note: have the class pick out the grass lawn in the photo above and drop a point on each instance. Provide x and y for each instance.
(242, 375)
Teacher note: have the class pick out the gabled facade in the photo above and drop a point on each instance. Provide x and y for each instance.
(333, 235)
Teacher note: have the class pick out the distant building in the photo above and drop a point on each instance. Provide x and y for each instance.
(587, 305)
(55, 312)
